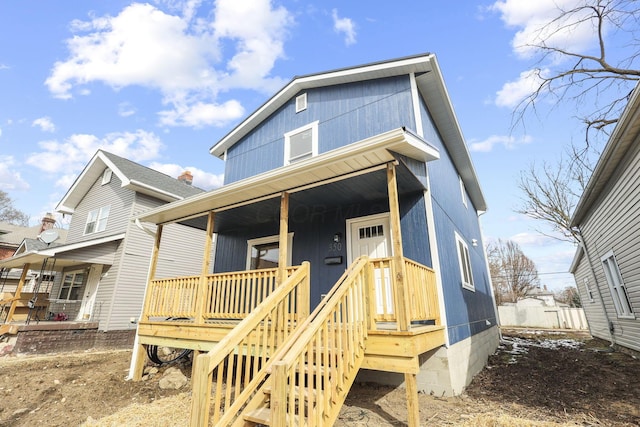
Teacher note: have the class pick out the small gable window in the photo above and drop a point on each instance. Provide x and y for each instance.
(301, 102)
(97, 220)
(464, 260)
(301, 143)
(106, 176)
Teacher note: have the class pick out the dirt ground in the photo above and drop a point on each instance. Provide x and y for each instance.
(533, 379)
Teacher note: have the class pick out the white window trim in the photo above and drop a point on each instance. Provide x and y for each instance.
(462, 257)
(106, 176)
(623, 307)
(301, 102)
(463, 192)
(314, 140)
(269, 239)
(74, 273)
(99, 213)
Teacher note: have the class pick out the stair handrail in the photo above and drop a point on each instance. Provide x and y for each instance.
(342, 321)
(276, 307)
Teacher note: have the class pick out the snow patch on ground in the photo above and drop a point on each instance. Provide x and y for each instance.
(519, 346)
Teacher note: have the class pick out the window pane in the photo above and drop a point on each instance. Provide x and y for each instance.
(265, 256)
(301, 145)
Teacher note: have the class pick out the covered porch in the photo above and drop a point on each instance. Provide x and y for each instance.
(312, 208)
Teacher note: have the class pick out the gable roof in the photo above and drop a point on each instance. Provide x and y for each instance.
(430, 84)
(11, 234)
(624, 136)
(132, 175)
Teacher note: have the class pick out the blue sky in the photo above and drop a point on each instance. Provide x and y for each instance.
(161, 82)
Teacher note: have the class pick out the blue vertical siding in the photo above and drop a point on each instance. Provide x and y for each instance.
(314, 227)
(346, 113)
(467, 311)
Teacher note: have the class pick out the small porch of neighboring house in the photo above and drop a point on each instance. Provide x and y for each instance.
(56, 292)
(325, 290)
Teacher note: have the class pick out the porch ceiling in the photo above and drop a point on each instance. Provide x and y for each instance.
(330, 178)
(315, 201)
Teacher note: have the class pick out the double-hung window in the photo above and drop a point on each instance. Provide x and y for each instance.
(97, 220)
(301, 143)
(616, 285)
(464, 260)
(72, 285)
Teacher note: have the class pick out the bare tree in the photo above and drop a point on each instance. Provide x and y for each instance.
(601, 81)
(569, 295)
(8, 213)
(513, 274)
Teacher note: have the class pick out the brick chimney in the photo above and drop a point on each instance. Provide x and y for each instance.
(48, 221)
(186, 177)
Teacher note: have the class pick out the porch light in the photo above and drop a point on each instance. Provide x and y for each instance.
(337, 238)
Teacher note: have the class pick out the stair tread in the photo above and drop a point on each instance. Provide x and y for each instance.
(260, 416)
(314, 392)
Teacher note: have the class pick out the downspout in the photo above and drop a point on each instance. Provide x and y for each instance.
(143, 228)
(583, 245)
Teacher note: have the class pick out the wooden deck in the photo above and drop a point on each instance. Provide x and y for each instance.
(249, 323)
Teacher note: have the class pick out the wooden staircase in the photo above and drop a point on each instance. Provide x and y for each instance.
(308, 376)
(309, 383)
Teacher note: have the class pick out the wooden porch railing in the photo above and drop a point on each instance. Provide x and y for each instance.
(312, 379)
(420, 283)
(239, 360)
(226, 295)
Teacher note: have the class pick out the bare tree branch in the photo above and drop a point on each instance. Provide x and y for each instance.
(8, 213)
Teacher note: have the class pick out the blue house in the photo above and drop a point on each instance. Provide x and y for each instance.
(356, 187)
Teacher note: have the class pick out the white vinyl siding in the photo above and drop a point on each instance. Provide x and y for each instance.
(112, 194)
(616, 285)
(613, 222)
(301, 143)
(464, 261)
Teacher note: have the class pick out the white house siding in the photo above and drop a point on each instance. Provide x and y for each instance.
(591, 303)
(181, 254)
(614, 225)
(119, 199)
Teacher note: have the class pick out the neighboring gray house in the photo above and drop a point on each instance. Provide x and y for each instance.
(101, 270)
(12, 236)
(606, 266)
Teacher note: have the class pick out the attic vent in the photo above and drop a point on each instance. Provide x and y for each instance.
(301, 102)
(106, 176)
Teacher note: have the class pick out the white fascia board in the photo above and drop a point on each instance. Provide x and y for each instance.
(576, 259)
(152, 191)
(70, 200)
(312, 171)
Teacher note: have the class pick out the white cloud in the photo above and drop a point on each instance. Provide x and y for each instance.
(514, 92)
(72, 155)
(509, 142)
(532, 239)
(125, 109)
(537, 21)
(45, 124)
(178, 54)
(201, 179)
(4, 67)
(345, 26)
(259, 31)
(201, 114)
(9, 178)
